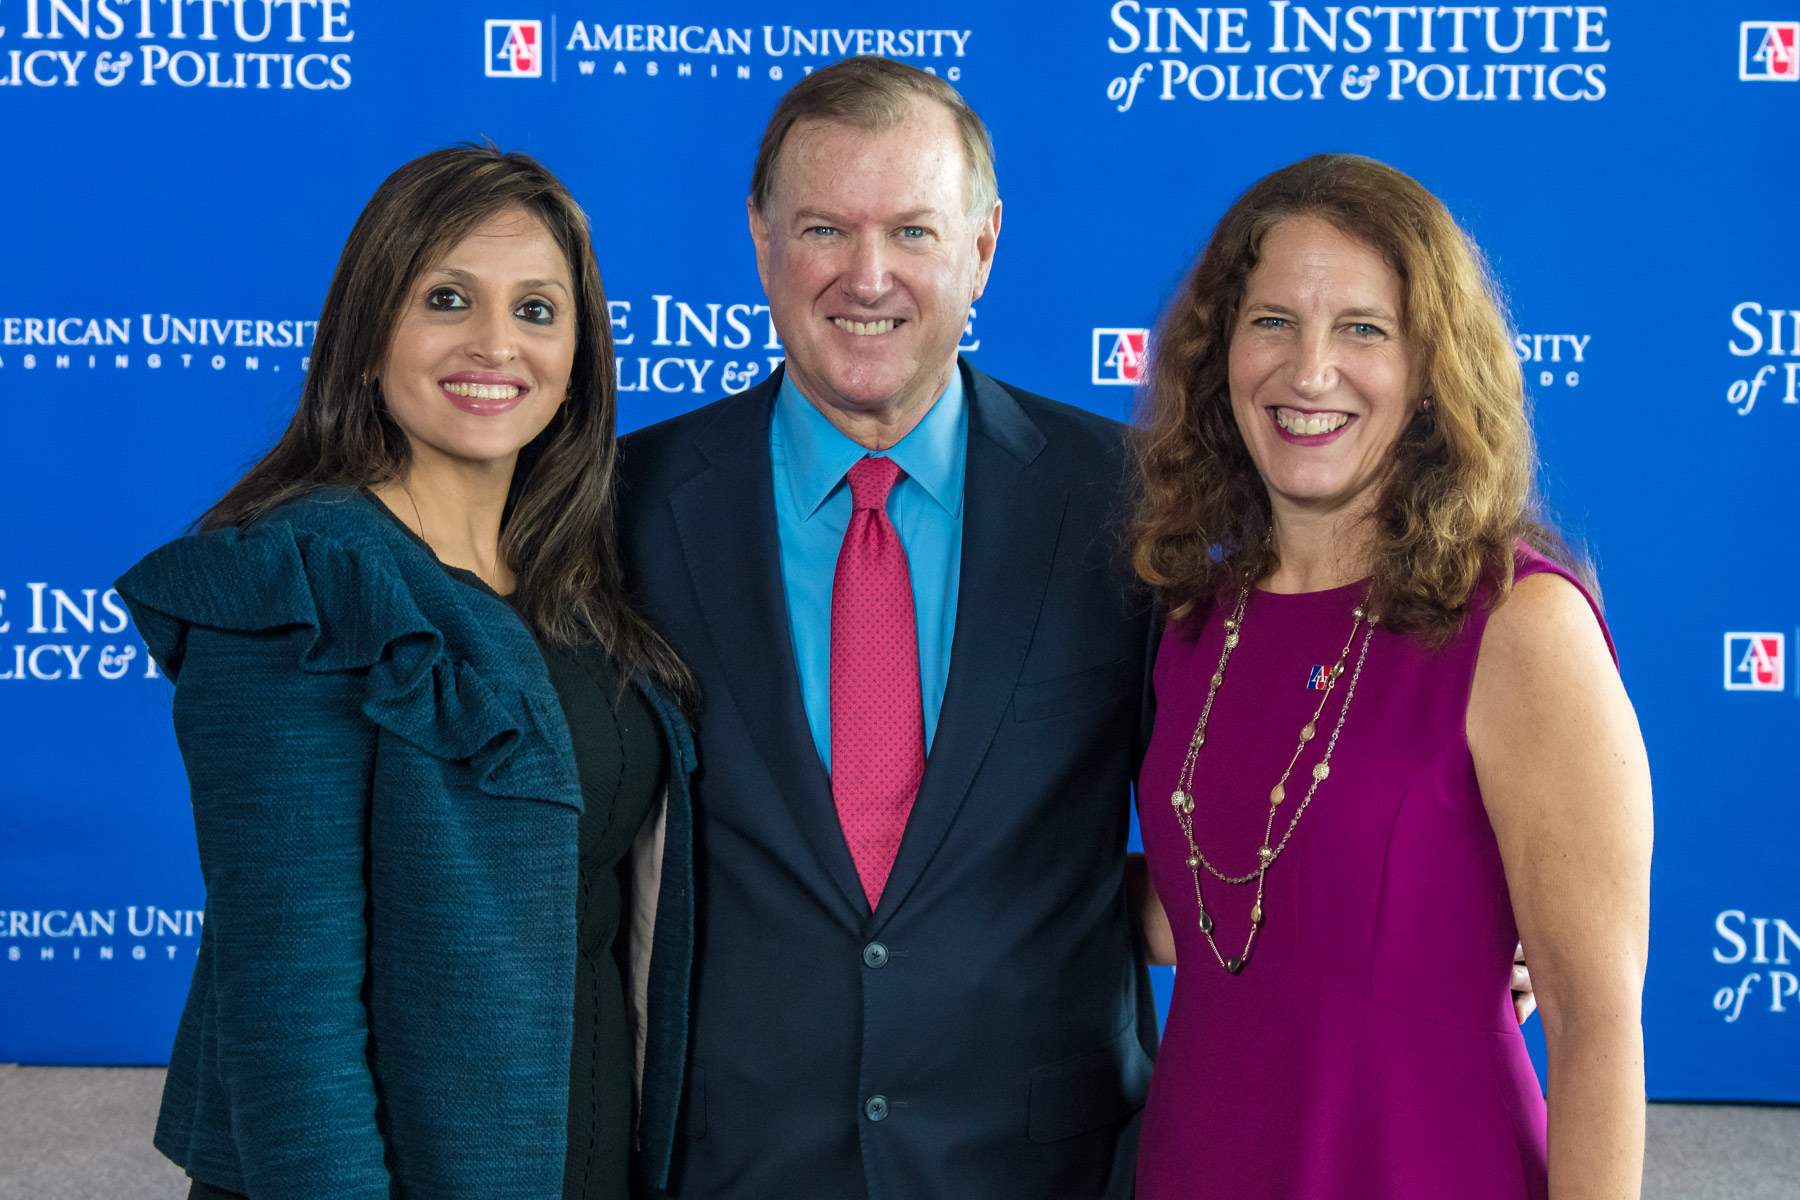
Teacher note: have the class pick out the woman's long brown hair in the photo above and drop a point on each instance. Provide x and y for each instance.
(557, 532)
(1459, 491)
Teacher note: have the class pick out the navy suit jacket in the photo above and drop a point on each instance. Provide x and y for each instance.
(988, 1031)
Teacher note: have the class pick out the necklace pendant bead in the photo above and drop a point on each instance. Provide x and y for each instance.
(1256, 915)
(1357, 612)
(1178, 799)
(1308, 731)
(1321, 771)
(1193, 860)
(1234, 964)
(1337, 669)
(1277, 794)
(1266, 854)
(1230, 625)
(1218, 678)
(1206, 922)
(1231, 641)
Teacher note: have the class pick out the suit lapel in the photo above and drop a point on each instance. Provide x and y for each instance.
(725, 517)
(1012, 517)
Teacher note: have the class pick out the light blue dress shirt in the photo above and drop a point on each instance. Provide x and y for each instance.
(812, 511)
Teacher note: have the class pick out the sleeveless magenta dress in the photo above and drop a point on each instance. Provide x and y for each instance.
(1368, 1049)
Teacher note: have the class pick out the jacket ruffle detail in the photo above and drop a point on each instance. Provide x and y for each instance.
(351, 608)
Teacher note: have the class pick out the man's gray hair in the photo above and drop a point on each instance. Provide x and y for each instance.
(876, 94)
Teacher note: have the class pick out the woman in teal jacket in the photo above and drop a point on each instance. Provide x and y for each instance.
(427, 738)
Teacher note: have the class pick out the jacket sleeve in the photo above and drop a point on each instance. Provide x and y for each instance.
(279, 763)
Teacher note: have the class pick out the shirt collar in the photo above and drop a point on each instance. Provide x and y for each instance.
(817, 455)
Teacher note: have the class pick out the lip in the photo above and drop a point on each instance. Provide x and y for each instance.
(482, 407)
(1309, 439)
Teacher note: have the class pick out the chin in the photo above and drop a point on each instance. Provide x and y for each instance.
(867, 387)
(1310, 490)
(480, 453)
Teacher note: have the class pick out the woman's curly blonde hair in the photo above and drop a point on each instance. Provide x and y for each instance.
(1459, 492)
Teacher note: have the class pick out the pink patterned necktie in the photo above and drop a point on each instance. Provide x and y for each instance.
(877, 722)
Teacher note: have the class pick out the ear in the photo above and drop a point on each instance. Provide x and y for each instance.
(987, 236)
(759, 237)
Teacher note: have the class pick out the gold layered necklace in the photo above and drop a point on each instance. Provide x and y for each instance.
(1183, 797)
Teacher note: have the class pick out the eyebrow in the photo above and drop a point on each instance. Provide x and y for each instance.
(1271, 306)
(820, 216)
(528, 285)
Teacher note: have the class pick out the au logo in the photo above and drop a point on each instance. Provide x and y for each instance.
(1120, 355)
(1755, 662)
(1769, 50)
(515, 49)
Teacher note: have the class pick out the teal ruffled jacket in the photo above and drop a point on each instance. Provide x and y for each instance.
(385, 800)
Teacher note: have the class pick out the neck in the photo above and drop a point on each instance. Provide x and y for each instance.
(879, 426)
(1319, 551)
(455, 506)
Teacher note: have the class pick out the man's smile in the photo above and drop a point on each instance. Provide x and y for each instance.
(866, 328)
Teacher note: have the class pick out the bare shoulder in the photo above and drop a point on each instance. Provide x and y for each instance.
(1545, 675)
(1544, 626)
(1543, 604)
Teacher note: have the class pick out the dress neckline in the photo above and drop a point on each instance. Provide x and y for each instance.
(460, 574)
(1343, 590)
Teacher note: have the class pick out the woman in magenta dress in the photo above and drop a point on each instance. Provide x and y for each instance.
(1390, 736)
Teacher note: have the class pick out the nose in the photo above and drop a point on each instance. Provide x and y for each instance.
(865, 276)
(492, 339)
(1315, 364)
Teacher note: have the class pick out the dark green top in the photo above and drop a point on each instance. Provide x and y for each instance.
(387, 812)
(621, 760)
(388, 806)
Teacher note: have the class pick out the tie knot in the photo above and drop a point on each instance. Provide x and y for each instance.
(871, 479)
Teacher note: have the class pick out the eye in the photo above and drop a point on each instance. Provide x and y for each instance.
(538, 312)
(1270, 322)
(821, 230)
(914, 232)
(1363, 329)
(445, 299)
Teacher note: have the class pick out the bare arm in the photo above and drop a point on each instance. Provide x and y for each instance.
(1146, 905)
(1567, 786)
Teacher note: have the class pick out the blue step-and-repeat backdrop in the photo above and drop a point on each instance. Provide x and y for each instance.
(184, 173)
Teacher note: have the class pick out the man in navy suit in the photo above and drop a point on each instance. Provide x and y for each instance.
(899, 583)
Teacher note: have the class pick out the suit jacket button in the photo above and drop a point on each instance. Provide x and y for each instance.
(877, 1108)
(875, 955)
